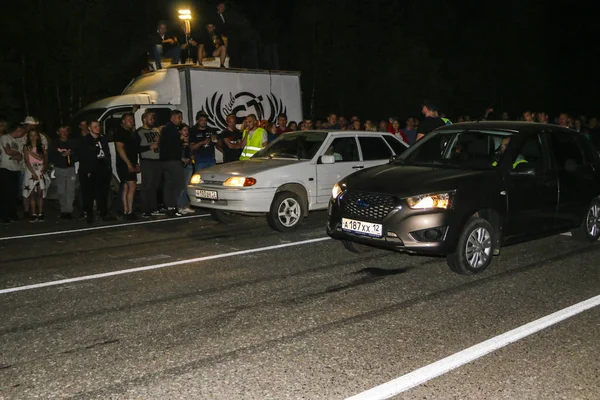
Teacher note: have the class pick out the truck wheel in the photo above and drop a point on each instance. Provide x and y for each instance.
(589, 231)
(475, 248)
(356, 247)
(224, 217)
(286, 212)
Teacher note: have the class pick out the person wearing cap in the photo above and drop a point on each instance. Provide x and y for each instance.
(210, 44)
(431, 121)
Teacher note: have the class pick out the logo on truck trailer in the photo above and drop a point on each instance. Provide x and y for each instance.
(218, 106)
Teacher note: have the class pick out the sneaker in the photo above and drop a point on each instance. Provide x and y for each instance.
(83, 215)
(41, 218)
(179, 212)
(147, 215)
(187, 210)
(157, 213)
(33, 218)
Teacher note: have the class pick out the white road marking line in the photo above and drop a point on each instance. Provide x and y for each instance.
(95, 228)
(158, 266)
(431, 371)
(566, 234)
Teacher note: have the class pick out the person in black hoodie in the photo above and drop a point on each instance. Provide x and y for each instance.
(95, 171)
(171, 149)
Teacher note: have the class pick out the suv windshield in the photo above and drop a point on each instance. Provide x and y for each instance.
(469, 149)
(298, 145)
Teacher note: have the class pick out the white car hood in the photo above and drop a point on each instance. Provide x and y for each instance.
(249, 168)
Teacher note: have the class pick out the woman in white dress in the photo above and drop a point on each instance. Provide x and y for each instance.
(36, 181)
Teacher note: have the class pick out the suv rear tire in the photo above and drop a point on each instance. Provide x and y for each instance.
(589, 231)
(285, 214)
(474, 249)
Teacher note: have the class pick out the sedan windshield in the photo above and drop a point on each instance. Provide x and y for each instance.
(470, 149)
(298, 145)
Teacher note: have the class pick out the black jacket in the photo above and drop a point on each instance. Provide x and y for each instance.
(91, 159)
(170, 143)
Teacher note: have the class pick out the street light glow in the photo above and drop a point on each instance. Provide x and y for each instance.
(185, 12)
(185, 16)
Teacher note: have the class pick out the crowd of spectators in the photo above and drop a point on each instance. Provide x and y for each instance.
(165, 157)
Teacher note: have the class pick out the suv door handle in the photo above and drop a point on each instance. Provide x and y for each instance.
(358, 167)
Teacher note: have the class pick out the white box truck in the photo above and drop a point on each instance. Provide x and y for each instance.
(218, 92)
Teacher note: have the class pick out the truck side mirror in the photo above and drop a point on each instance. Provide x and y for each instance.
(327, 159)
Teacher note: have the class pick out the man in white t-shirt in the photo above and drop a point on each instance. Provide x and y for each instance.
(10, 173)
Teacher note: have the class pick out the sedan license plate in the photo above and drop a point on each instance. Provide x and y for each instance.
(207, 194)
(362, 228)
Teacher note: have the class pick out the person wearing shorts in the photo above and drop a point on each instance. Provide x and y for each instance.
(127, 144)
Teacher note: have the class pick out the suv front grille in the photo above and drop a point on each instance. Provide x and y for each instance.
(370, 206)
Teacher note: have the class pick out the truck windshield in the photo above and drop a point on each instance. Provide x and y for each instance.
(298, 145)
(468, 149)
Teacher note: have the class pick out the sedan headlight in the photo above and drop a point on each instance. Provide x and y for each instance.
(437, 200)
(196, 179)
(338, 189)
(239, 181)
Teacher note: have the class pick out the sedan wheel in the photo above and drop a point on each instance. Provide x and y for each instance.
(286, 212)
(590, 227)
(475, 248)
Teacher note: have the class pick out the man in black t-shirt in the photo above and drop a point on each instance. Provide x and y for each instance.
(431, 121)
(210, 44)
(202, 142)
(127, 145)
(230, 140)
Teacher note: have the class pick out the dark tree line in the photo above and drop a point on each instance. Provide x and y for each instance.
(376, 59)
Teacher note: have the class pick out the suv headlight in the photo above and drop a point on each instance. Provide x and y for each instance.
(338, 189)
(436, 200)
(196, 179)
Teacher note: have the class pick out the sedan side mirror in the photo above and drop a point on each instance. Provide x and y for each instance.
(328, 159)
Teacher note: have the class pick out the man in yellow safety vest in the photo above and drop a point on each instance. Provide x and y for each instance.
(254, 138)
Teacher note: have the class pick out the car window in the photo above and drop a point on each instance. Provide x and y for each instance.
(374, 148)
(299, 145)
(565, 149)
(395, 145)
(590, 150)
(344, 149)
(530, 154)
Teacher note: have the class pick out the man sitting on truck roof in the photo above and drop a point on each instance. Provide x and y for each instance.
(210, 44)
(163, 43)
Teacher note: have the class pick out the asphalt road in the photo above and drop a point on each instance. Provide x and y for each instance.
(242, 312)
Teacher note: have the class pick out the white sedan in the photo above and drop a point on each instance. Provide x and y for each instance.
(290, 177)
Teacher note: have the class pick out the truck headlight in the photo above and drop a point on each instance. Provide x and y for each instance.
(239, 181)
(436, 200)
(338, 189)
(196, 179)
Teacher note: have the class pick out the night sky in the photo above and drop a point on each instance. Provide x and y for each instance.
(375, 59)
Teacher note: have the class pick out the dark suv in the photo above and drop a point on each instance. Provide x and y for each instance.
(465, 190)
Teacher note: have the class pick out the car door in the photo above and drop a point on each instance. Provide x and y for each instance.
(576, 176)
(374, 150)
(347, 160)
(532, 190)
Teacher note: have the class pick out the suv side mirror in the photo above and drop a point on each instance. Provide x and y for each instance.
(328, 159)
